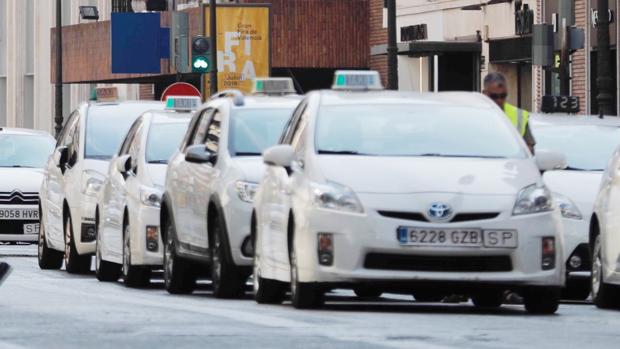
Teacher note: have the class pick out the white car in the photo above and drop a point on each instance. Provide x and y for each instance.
(587, 142)
(210, 187)
(22, 157)
(73, 177)
(404, 192)
(605, 238)
(127, 214)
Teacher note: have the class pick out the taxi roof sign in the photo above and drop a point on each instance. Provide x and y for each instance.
(106, 94)
(182, 103)
(357, 80)
(273, 86)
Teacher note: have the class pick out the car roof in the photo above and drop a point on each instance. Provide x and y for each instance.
(130, 102)
(169, 116)
(24, 132)
(577, 120)
(462, 99)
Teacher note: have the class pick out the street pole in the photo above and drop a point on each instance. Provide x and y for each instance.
(58, 99)
(392, 49)
(213, 34)
(604, 80)
(564, 59)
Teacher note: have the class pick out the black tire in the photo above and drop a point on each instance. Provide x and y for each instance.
(604, 295)
(49, 259)
(266, 291)
(576, 290)
(428, 296)
(541, 300)
(74, 262)
(133, 275)
(488, 299)
(228, 280)
(179, 274)
(367, 292)
(105, 271)
(303, 295)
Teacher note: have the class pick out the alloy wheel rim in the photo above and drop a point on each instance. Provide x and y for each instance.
(126, 252)
(256, 272)
(68, 242)
(97, 255)
(41, 241)
(217, 265)
(168, 261)
(597, 269)
(293, 274)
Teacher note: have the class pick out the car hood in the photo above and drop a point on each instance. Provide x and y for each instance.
(579, 186)
(251, 167)
(26, 180)
(401, 175)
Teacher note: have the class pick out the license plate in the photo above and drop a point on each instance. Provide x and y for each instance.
(19, 214)
(31, 228)
(451, 237)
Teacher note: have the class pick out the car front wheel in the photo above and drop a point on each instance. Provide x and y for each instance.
(228, 280)
(179, 274)
(603, 295)
(133, 275)
(541, 300)
(48, 258)
(303, 295)
(104, 270)
(74, 262)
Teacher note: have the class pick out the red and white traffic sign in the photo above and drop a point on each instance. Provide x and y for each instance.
(180, 89)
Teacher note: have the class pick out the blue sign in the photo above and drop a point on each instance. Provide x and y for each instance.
(138, 43)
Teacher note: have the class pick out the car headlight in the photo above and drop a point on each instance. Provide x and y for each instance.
(567, 207)
(92, 182)
(533, 199)
(150, 196)
(333, 196)
(246, 190)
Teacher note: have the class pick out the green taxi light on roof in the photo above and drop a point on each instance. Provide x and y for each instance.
(273, 86)
(357, 80)
(182, 103)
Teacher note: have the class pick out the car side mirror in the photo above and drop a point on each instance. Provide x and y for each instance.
(61, 156)
(199, 154)
(549, 160)
(279, 155)
(123, 163)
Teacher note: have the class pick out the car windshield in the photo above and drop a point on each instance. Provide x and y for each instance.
(25, 150)
(163, 140)
(587, 147)
(415, 130)
(252, 131)
(107, 126)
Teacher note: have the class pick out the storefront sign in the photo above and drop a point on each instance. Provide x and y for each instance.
(560, 104)
(243, 45)
(413, 33)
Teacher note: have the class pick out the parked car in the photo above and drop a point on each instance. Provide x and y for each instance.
(587, 142)
(22, 157)
(74, 175)
(210, 187)
(405, 192)
(127, 213)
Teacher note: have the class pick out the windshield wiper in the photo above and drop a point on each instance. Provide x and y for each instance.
(247, 153)
(341, 152)
(569, 168)
(158, 161)
(17, 166)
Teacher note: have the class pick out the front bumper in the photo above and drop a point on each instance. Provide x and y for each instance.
(13, 230)
(576, 243)
(83, 219)
(146, 216)
(355, 236)
(238, 216)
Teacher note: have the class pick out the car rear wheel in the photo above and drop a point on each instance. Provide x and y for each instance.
(74, 262)
(603, 295)
(133, 275)
(227, 279)
(303, 295)
(49, 259)
(367, 292)
(488, 299)
(179, 274)
(541, 300)
(104, 270)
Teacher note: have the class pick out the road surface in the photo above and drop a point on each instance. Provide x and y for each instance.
(52, 309)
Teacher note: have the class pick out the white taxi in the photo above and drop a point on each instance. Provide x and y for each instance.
(587, 142)
(210, 187)
(22, 157)
(127, 213)
(74, 175)
(407, 193)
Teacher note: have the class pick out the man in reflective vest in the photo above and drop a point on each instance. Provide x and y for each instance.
(496, 89)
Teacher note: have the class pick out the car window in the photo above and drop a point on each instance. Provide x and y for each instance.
(134, 147)
(201, 128)
(189, 133)
(292, 123)
(254, 130)
(72, 142)
(407, 129)
(162, 141)
(587, 147)
(129, 138)
(62, 139)
(213, 134)
(25, 150)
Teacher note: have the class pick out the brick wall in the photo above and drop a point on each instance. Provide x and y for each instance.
(579, 81)
(377, 35)
(146, 92)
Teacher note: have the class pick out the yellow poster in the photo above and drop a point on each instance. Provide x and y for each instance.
(242, 45)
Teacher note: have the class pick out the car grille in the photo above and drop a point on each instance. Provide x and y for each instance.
(419, 217)
(14, 226)
(18, 198)
(438, 263)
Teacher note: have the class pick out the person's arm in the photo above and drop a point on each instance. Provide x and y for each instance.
(529, 138)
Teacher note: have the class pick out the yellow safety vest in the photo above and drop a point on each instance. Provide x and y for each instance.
(517, 116)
